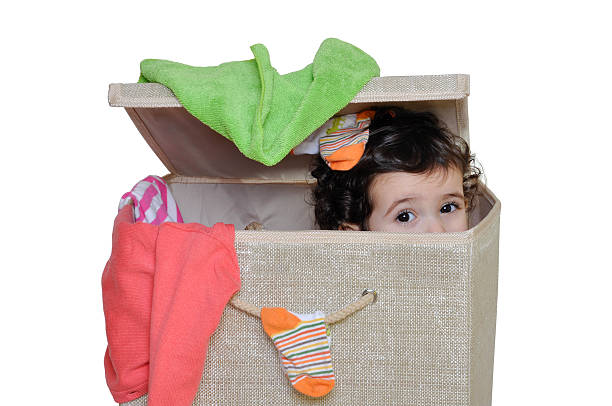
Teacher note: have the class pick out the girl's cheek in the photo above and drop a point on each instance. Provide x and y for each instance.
(460, 223)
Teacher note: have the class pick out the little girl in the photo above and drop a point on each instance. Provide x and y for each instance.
(414, 176)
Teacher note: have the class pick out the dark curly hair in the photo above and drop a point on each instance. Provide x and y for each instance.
(400, 141)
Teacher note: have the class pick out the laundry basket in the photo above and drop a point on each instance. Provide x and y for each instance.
(429, 337)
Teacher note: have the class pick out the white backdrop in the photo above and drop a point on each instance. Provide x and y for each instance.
(539, 121)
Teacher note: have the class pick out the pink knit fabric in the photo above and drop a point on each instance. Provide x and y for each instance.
(164, 289)
(153, 202)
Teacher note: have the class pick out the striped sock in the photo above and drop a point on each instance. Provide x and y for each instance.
(304, 349)
(344, 143)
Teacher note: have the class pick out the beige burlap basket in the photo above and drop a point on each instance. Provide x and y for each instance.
(429, 337)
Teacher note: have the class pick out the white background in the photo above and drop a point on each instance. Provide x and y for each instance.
(539, 121)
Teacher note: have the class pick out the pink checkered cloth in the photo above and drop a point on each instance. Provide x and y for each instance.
(153, 202)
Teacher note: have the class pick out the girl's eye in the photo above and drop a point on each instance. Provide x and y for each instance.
(405, 217)
(449, 207)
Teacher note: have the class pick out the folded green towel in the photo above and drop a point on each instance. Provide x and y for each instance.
(264, 113)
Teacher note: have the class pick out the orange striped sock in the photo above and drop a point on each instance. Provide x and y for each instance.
(344, 143)
(304, 348)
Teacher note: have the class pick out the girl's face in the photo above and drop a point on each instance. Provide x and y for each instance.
(418, 203)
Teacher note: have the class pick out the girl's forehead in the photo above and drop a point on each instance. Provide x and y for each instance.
(388, 186)
(436, 178)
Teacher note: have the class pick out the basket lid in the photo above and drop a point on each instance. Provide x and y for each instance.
(188, 147)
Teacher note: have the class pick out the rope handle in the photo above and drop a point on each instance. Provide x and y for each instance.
(368, 296)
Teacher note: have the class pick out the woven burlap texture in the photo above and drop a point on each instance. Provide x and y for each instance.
(386, 88)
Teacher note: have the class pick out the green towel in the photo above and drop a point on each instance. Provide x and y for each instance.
(264, 113)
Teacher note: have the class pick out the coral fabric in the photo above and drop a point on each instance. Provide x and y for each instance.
(164, 289)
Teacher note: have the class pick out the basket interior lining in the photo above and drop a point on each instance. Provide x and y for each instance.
(187, 147)
(282, 207)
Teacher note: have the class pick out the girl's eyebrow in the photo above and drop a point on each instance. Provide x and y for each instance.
(458, 195)
(395, 203)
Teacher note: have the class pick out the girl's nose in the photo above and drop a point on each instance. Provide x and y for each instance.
(435, 226)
